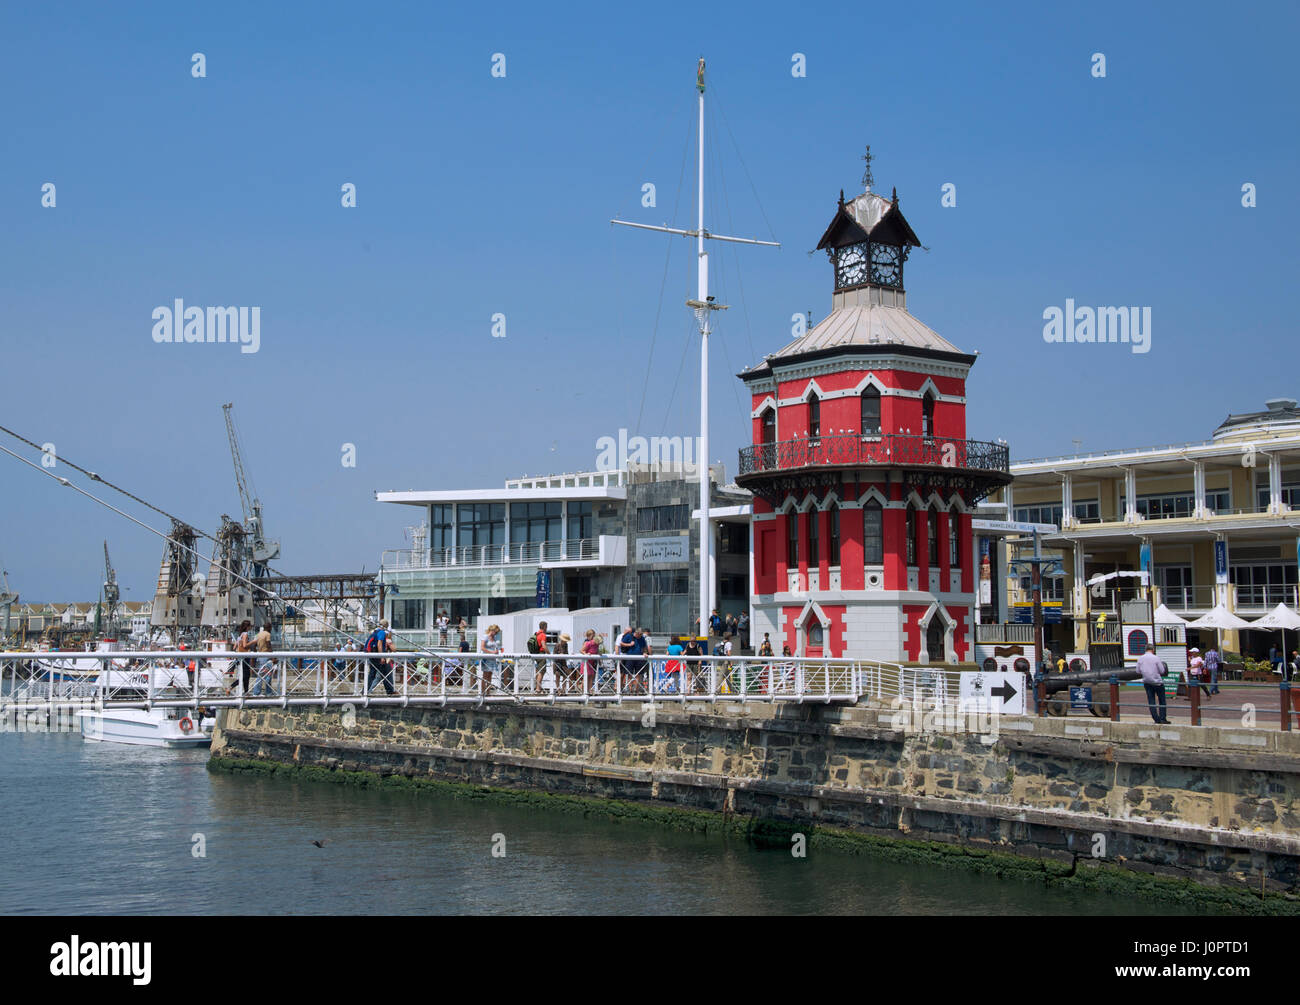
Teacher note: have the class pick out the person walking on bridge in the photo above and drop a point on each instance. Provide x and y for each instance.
(1152, 672)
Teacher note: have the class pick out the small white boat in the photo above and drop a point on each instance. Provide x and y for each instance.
(159, 727)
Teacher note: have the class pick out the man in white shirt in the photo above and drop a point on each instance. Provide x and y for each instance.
(1152, 672)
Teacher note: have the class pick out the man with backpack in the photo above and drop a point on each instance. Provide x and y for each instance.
(380, 642)
(537, 647)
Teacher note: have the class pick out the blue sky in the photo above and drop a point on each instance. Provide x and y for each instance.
(479, 195)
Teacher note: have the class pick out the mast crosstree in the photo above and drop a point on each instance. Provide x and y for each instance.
(703, 306)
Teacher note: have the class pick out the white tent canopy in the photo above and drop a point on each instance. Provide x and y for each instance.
(1280, 616)
(1164, 616)
(1220, 618)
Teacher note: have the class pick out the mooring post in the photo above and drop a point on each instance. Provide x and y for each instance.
(1040, 698)
(1114, 698)
(1285, 688)
(1194, 693)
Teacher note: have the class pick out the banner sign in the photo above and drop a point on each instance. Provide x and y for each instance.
(543, 588)
(1221, 562)
(661, 549)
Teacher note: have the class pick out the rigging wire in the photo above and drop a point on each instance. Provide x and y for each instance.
(663, 283)
(257, 589)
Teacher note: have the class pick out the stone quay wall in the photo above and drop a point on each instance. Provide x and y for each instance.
(1217, 807)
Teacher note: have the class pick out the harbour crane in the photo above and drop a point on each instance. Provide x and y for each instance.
(7, 600)
(261, 550)
(112, 594)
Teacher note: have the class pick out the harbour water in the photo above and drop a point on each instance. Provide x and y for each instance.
(97, 828)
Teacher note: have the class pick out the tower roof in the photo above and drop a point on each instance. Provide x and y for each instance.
(869, 216)
(868, 329)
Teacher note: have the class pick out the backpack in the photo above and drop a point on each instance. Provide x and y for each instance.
(532, 644)
(372, 643)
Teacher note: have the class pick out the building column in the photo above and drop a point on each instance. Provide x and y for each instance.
(1198, 490)
(1006, 495)
(1130, 496)
(1067, 502)
(1079, 602)
(715, 542)
(1274, 482)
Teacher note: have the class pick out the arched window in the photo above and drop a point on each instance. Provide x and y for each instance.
(814, 417)
(873, 534)
(954, 539)
(927, 415)
(834, 519)
(932, 529)
(871, 412)
(792, 539)
(814, 538)
(769, 426)
(911, 535)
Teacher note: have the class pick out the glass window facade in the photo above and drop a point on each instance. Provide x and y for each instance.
(408, 615)
(663, 600)
(650, 518)
(440, 526)
(481, 523)
(535, 521)
(581, 526)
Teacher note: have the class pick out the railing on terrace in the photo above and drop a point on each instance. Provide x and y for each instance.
(332, 678)
(477, 555)
(893, 449)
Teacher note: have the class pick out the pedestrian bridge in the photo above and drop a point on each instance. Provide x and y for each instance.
(330, 678)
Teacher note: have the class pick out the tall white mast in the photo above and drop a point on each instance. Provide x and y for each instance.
(702, 306)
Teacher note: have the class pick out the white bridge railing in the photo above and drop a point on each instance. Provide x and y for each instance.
(328, 678)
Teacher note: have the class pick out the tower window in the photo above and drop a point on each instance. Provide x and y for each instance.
(769, 426)
(954, 539)
(792, 539)
(871, 412)
(873, 534)
(814, 538)
(814, 417)
(834, 519)
(932, 527)
(927, 415)
(911, 535)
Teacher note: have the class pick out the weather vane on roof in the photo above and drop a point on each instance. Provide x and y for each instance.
(867, 180)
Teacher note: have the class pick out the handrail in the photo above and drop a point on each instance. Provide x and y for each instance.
(893, 449)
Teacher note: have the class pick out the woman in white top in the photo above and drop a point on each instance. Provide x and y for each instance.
(490, 644)
(1196, 671)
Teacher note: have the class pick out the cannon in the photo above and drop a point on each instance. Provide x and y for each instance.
(1055, 683)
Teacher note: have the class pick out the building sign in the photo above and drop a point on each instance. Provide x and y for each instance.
(1013, 526)
(1002, 692)
(543, 588)
(1022, 613)
(1221, 562)
(661, 549)
(1144, 560)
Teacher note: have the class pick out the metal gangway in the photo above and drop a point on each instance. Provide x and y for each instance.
(326, 678)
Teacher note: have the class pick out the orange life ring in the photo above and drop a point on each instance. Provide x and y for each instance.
(186, 724)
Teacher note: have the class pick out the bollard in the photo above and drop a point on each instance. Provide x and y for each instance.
(1040, 698)
(1285, 688)
(1194, 693)
(1114, 698)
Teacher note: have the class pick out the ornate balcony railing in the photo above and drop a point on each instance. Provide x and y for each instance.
(886, 450)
